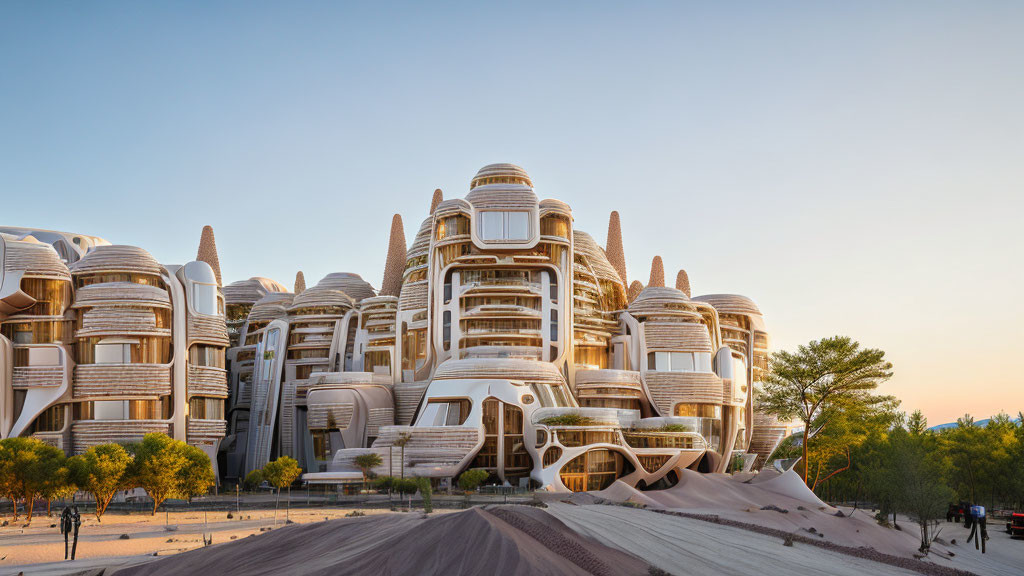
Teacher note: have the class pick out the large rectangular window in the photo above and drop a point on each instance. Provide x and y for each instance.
(498, 226)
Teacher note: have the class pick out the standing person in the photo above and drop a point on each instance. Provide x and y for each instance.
(979, 529)
(76, 521)
(65, 527)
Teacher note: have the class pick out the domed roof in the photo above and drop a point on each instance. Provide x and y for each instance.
(585, 246)
(117, 258)
(501, 174)
(271, 307)
(730, 303)
(349, 283)
(250, 291)
(321, 296)
(660, 300)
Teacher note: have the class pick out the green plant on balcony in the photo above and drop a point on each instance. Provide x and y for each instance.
(569, 419)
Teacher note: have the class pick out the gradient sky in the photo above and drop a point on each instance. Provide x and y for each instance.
(855, 168)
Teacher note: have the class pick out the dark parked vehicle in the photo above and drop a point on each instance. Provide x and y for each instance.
(1015, 525)
(956, 512)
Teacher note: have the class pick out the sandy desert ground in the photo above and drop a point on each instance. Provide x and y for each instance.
(708, 524)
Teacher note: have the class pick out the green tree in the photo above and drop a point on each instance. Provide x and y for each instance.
(101, 471)
(367, 462)
(281, 473)
(196, 475)
(55, 477)
(919, 471)
(254, 479)
(820, 380)
(401, 441)
(157, 467)
(26, 464)
(426, 492)
(470, 480)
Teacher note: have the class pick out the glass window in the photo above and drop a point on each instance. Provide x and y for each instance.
(204, 298)
(492, 225)
(554, 325)
(518, 226)
(682, 362)
(447, 331)
(702, 362)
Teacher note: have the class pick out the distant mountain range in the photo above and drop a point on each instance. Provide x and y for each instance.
(978, 423)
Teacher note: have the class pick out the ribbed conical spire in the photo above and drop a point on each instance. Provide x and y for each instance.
(395, 263)
(634, 290)
(300, 283)
(616, 256)
(683, 283)
(437, 199)
(657, 272)
(208, 252)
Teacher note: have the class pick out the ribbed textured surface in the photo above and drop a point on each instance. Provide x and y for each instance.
(111, 321)
(730, 303)
(669, 388)
(414, 296)
(250, 291)
(208, 252)
(35, 259)
(121, 294)
(329, 416)
(499, 368)
(89, 433)
(121, 380)
(407, 398)
(585, 245)
(207, 381)
(271, 307)
(502, 197)
(379, 417)
(394, 265)
(614, 250)
(552, 206)
(500, 170)
(300, 283)
(26, 377)
(437, 448)
(349, 283)
(208, 432)
(208, 329)
(660, 300)
(677, 336)
(117, 258)
(321, 296)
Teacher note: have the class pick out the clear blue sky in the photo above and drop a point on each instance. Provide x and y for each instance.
(856, 168)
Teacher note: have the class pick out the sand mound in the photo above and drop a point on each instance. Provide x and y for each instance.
(499, 540)
(772, 500)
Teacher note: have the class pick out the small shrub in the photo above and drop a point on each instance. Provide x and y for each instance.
(471, 479)
(569, 419)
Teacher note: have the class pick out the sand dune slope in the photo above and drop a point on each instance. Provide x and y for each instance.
(499, 540)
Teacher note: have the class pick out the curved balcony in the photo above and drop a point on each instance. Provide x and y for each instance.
(121, 381)
(669, 388)
(199, 431)
(115, 321)
(207, 381)
(208, 329)
(88, 433)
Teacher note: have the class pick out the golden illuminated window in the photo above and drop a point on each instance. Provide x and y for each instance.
(52, 296)
(200, 408)
(554, 226)
(698, 410)
(202, 355)
(321, 444)
(594, 470)
(51, 420)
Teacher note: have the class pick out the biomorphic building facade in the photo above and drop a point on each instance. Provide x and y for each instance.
(502, 338)
(101, 343)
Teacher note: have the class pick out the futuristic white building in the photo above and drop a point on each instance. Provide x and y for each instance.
(101, 343)
(508, 343)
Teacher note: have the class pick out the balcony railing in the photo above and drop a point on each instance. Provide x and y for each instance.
(200, 431)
